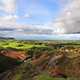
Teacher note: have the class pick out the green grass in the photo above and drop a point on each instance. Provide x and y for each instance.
(18, 44)
(29, 44)
(47, 77)
(17, 77)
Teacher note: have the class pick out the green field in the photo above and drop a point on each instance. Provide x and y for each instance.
(19, 44)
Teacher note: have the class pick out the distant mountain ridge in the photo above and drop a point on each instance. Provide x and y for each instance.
(7, 38)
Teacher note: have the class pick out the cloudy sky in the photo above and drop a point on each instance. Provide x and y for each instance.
(29, 11)
(39, 18)
(38, 11)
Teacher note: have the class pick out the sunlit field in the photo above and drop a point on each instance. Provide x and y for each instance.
(19, 44)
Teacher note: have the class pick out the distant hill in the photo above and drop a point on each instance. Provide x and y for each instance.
(7, 38)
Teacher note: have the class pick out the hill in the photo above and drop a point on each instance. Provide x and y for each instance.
(52, 62)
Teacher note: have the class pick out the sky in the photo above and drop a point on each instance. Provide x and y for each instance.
(38, 11)
(33, 19)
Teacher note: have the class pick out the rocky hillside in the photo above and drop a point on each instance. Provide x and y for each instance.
(54, 61)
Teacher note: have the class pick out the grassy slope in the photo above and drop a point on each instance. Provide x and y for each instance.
(18, 44)
(7, 63)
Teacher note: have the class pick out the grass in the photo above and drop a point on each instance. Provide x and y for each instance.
(18, 44)
(47, 77)
(17, 77)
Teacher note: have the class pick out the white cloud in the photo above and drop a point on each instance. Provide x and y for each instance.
(27, 16)
(58, 28)
(63, 24)
(69, 21)
(24, 16)
(7, 20)
(9, 17)
(9, 6)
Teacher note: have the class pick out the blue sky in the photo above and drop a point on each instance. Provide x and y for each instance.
(30, 11)
(38, 11)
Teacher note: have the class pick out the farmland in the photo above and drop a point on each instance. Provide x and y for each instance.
(17, 44)
(39, 60)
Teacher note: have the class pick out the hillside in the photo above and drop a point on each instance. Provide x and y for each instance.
(52, 62)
